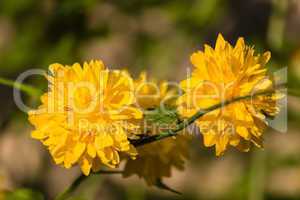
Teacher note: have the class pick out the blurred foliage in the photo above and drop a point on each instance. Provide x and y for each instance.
(24, 194)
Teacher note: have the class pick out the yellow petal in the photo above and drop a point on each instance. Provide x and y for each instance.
(91, 150)
(38, 135)
(78, 151)
(221, 43)
(86, 165)
(103, 140)
(264, 59)
(243, 132)
(221, 145)
(209, 138)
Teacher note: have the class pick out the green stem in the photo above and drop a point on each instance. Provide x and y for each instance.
(31, 91)
(257, 175)
(65, 194)
(185, 123)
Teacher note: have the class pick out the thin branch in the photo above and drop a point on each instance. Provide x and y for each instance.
(185, 123)
(108, 172)
(65, 194)
(31, 91)
(161, 185)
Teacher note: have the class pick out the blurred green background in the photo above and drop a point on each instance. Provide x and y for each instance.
(157, 36)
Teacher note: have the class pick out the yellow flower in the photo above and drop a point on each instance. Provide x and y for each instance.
(224, 73)
(149, 94)
(156, 160)
(85, 117)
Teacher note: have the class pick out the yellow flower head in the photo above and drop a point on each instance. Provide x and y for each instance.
(149, 94)
(221, 74)
(157, 159)
(85, 117)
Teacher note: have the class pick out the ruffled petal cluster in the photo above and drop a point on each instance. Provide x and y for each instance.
(222, 74)
(156, 160)
(85, 117)
(150, 94)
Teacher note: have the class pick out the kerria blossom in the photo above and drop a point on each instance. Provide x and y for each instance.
(150, 94)
(85, 117)
(156, 160)
(222, 74)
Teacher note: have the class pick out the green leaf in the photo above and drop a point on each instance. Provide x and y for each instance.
(162, 116)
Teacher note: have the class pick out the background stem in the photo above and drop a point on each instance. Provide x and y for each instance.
(65, 194)
(257, 175)
(72, 188)
(29, 90)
